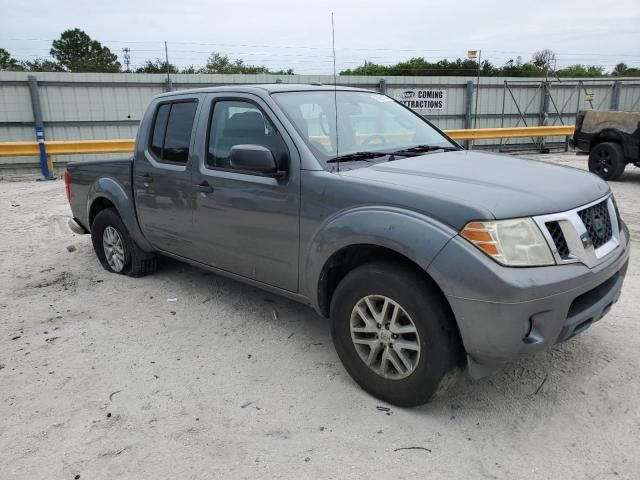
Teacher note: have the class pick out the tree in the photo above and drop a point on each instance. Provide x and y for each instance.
(578, 71)
(519, 69)
(7, 62)
(78, 52)
(218, 63)
(157, 66)
(544, 59)
(418, 66)
(41, 65)
(620, 70)
(623, 70)
(288, 71)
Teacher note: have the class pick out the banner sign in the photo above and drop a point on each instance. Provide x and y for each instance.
(420, 99)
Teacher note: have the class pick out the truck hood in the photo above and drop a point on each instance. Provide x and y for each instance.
(506, 186)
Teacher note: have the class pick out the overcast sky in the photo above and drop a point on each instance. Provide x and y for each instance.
(297, 33)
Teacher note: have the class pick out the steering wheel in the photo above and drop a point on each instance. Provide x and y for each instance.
(371, 139)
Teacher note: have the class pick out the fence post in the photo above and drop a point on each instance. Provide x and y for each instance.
(615, 95)
(544, 113)
(382, 86)
(468, 107)
(504, 97)
(46, 166)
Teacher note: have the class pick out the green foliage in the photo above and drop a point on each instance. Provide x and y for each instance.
(288, 71)
(78, 52)
(519, 69)
(542, 65)
(157, 66)
(622, 70)
(7, 62)
(461, 68)
(218, 63)
(580, 71)
(41, 65)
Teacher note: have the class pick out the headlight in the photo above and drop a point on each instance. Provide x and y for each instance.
(515, 243)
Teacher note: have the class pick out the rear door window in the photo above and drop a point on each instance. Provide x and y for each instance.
(172, 132)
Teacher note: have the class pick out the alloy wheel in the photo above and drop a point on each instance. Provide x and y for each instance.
(385, 337)
(113, 248)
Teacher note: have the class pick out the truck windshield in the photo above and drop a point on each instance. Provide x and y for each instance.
(366, 122)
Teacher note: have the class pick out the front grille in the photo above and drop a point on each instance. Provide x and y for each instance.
(598, 224)
(558, 239)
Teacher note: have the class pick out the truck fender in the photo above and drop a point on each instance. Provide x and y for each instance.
(111, 190)
(411, 234)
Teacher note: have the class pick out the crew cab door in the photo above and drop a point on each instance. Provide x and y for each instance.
(162, 174)
(245, 222)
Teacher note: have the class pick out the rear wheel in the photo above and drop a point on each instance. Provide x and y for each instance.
(607, 160)
(115, 248)
(394, 333)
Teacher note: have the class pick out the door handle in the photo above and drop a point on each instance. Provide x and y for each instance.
(145, 177)
(203, 187)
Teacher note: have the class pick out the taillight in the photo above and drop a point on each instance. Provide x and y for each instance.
(66, 185)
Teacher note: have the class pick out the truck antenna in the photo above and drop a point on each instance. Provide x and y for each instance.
(335, 90)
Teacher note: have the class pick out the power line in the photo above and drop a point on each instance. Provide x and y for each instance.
(328, 48)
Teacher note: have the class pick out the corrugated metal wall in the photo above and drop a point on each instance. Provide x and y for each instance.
(96, 106)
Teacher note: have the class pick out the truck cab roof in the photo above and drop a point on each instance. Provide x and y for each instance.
(262, 88)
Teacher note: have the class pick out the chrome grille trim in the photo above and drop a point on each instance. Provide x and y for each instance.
(577, 237)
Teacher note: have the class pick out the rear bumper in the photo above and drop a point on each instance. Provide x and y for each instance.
(506, 313)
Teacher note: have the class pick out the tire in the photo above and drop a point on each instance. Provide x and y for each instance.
(607, 160)
(108, 229)
(422, 309)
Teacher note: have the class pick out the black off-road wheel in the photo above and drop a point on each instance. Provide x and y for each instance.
(607, 160)
(115, 248)
(394, 333)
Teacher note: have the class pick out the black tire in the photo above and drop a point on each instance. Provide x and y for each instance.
(607, 160)
(137, 262)
(441, 350)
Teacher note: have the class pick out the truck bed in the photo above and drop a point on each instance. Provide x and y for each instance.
(82, 175)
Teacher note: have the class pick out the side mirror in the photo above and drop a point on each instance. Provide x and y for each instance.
(254, 158)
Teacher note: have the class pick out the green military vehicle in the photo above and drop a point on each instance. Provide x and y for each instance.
(612, 140)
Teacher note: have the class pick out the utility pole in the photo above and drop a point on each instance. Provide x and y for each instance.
(127, 58)
(472, 55)
(475, 110)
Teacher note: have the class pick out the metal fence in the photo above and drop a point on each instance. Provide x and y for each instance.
(92, 106)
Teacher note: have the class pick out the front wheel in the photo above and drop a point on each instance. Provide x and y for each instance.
(115, 248)
(607, 160)
(394, 333)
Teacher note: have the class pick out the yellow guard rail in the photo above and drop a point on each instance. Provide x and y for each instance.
(71, 147)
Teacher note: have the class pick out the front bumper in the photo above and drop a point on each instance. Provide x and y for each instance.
(505, 313)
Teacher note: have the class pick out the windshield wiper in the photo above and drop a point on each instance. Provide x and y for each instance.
(406, 152)
(418, 149)
(354, 157)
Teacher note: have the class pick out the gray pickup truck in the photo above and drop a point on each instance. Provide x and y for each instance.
(425, 257)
